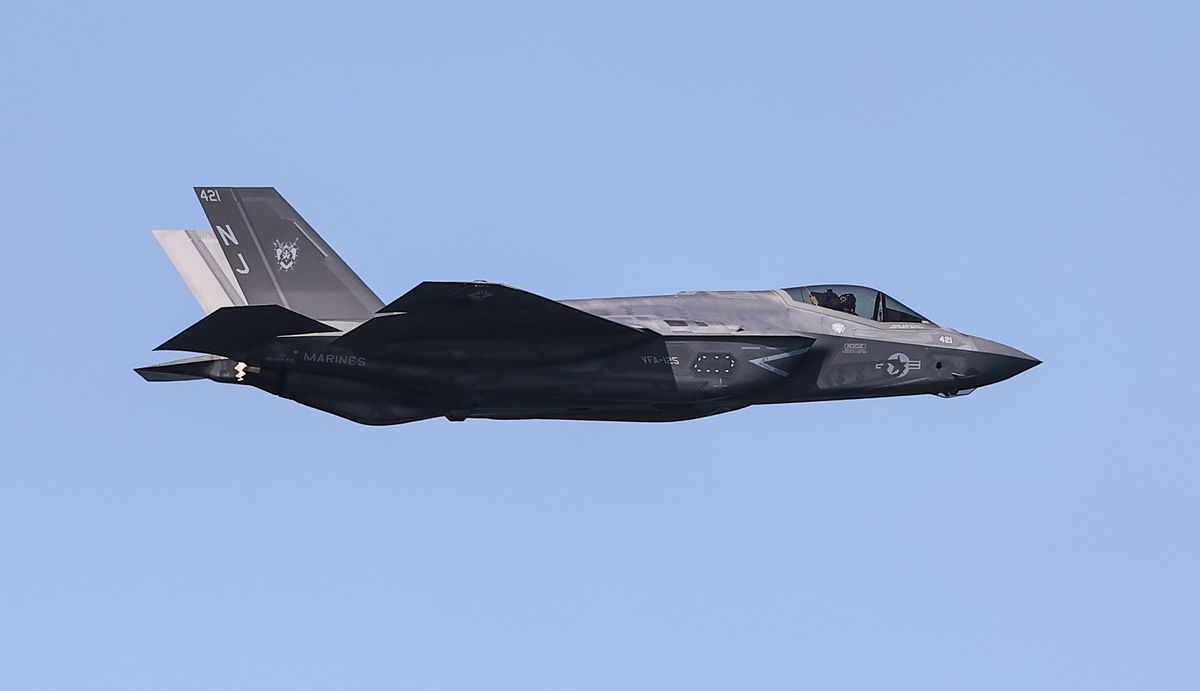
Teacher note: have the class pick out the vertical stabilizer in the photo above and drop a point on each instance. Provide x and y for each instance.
(278, 259)
(197, 256)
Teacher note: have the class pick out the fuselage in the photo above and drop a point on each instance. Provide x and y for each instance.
(703, 353)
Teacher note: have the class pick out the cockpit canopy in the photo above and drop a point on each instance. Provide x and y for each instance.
(867, 303)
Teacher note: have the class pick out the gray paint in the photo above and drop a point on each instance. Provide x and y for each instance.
(483, 350)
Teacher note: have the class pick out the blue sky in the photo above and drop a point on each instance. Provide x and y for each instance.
(1021, 171)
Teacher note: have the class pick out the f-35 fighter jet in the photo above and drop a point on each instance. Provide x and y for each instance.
(285, 314)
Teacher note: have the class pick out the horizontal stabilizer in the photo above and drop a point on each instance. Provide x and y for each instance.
(202, 367)
(231, 330)
(443, 310)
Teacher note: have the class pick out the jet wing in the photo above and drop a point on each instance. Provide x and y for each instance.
(440, 311)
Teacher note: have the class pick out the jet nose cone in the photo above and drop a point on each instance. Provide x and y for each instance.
(986, 346)
(998, 362)
(1025, 363)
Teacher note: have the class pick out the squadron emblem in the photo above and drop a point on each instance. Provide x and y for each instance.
(287, 254)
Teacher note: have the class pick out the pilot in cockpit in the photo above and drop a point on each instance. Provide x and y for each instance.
(828, 299)
(845, 302)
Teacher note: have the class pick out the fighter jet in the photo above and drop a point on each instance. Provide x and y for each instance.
(286, 315)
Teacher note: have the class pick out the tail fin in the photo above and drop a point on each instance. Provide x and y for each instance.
(196, 254)
(278, 259)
